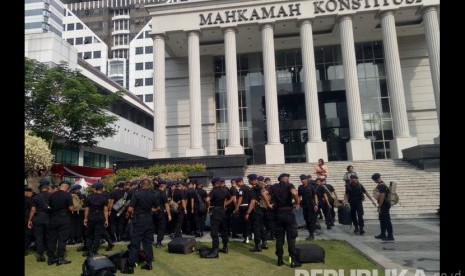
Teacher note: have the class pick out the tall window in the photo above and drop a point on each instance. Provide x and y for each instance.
(97, 160)
(374, 97)
(66, 156)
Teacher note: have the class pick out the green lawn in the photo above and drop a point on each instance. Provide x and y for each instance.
(239, 261)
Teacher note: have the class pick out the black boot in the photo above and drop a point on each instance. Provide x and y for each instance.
(40, 258)
(256, 248)
(356, 231)
(310, 237)
(147, 266)
(159, 244)
(225, 248)
(295, 263)
(62, 261)
(380, 236)
(128, 269)
(280, 260)
(110, 246)
(51, 260)
(212, 254)
(361, 231)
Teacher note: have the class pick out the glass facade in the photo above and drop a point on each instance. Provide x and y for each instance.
(66, 156)
(291, 102)
(97, 160)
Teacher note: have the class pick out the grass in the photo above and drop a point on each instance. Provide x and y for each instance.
(239, 261)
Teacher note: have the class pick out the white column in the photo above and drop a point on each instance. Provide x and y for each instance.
(431, 23)
(234, 143)
(195, 96)
(402, 138)
(358, 148)
(160, 149)
(274, 150)
(315, 147)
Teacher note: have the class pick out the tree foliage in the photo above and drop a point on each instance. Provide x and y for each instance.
(63, 105)
(37, 155)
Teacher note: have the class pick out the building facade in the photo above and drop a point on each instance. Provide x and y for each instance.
(295, 81)
(43, 16)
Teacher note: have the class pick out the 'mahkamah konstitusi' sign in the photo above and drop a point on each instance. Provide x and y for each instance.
(322, 7)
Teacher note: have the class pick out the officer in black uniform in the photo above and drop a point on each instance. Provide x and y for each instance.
(243, 201)
(180, 197)
(95, 218)
(309, 204)
(190, 217)
(383, 209)
(142, 205)
(231, 217)
(256, 214)
(325, 202)
(269, 214)
(117, 222)
(162, 211)
(216, 202)
(355, 191)
(200, 217)
(77, 216)
(282, 194)
(39, 219)
(27, 209)
(61, 203)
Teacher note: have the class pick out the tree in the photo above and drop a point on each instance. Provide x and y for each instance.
(37, 155)
(63, 105)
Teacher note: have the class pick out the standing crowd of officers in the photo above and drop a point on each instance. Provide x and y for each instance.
(135, 211)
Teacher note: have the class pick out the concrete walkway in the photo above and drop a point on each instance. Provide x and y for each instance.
(416, 244)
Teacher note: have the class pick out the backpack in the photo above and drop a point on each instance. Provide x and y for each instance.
(77, 202)
(98, 265)
(393, 196)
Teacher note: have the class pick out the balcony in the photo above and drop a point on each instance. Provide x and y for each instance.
(121, 16)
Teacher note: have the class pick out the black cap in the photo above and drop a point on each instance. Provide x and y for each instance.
(215, 179)
(64, 182)
(252, 176)
(53, 186)
(261, 178)
(98, 185)
(375, 176)
(27, 189)
(303, 176)
(75, 187)
(239, 179)
(353, 176)
(222, 179)
(44, 182)
(156, 174)
(120, 184)
(283, 175)
(162, 182)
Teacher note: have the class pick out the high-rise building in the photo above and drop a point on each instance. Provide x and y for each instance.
(43, 16)
(116, 23)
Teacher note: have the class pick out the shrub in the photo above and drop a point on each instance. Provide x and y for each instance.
(170, 172)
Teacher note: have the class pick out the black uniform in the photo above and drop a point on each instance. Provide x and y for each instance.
(217, 218)
(200, 217)
(117, 223)
(284, 218)
(95, 220)
(232, 219)
(384, 215)
(27, 232)
(77, 219)
(328, 213)
(308, 204)
(178, 197)
(269, 220)
(41, 221)
(355, 194)
(189, 223)
(257, 217)
(244, 192)
(142, 201)
(60, 222)
(159, 218)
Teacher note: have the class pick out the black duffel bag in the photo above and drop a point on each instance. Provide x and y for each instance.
(310, 253)
(181, 245)
(98, 265)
